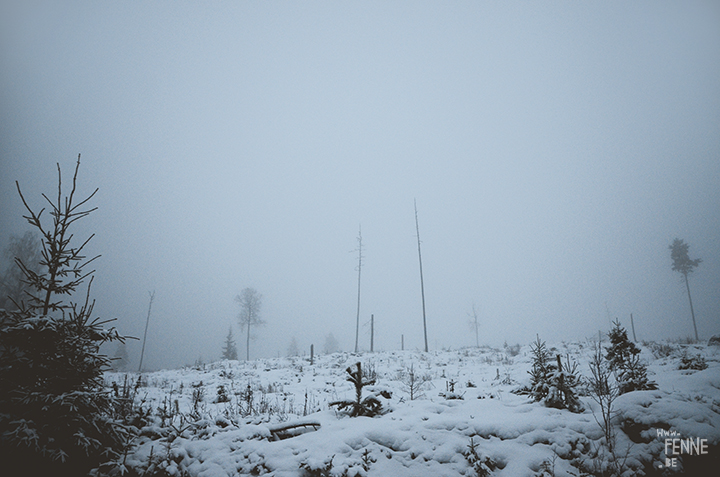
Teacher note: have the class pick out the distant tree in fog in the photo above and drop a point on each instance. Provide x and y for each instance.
(120, 360)
(331, 344)
(13, 286)
(683, 264)
(475, 326)
(293, 348)
(250, 302)
(229, 349)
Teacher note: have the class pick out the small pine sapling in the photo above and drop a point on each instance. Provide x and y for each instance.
(483, 466)
(369, 406)
(229, 350)
(696, 363)
(621, 348)
(414, 383)
(563, 382)
(624, 359)
(542, 369)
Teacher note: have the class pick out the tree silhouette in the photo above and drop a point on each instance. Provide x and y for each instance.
(229, 349)
(56, 415)
(250, 302)
(331, 344)
(293, 348)
(683, 264)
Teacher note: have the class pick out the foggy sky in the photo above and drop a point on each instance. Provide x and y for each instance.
(555, 150)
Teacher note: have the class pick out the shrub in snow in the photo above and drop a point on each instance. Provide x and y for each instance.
(55, 414)
(222, 394)
(624, 360)
(660, 350)
(313, 468)
(370, 406)
(696, 363)
(450, 391)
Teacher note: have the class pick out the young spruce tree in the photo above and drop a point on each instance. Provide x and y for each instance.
(624, 359)
(552, 383)
(54, 410)
(229, 350)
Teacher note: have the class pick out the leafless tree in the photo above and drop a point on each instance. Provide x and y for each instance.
(250, 302)
(604, 390)
(414, 383)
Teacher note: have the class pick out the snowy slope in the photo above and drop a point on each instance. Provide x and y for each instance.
(187, 432)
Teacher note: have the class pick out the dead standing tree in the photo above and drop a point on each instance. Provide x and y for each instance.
(422, 285)
(359, 269)
(475, 326)
(250, 302)
(147, 323)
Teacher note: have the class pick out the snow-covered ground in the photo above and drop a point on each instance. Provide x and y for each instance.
(189, 430)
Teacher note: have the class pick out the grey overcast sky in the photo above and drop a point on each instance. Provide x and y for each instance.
(555, 150)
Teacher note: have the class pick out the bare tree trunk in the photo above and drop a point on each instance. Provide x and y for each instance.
(632, 324)
(372, 332)
(247, 344)
(357, 319)
(692, 312)
(475, 325)
(147, 323)
(422, 286)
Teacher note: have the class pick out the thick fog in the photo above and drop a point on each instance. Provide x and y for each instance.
(555, 150)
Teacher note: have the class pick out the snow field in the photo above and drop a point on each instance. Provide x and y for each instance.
(427, 436)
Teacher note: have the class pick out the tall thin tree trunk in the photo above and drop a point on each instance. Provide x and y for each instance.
(692, 312)
(632, 324)
(422, 285)
(357, 318)
(372, 332)
(147, 322)
(247, 344)
(475, 323)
